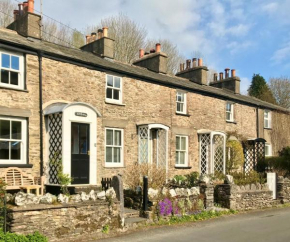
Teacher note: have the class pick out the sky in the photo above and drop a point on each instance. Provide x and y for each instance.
(251, 36)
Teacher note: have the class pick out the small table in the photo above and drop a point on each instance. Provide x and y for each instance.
(31, 187)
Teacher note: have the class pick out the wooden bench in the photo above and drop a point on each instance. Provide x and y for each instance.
(15, 178)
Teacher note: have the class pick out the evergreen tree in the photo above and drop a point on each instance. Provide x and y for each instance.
(260, 89)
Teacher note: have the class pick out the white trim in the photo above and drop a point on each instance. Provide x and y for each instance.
(23, 141)
(269, 118)
(184, 102)
(186, 151)
(111, 164)
(231, 112)
(20, 71)
(158, 126)
(111, 100)
(269, 149)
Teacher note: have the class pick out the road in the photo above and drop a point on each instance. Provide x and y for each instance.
(272, 225)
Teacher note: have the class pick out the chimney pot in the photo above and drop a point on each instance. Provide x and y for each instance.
(105, 32)
(15, 13)
(141, 53)
(221, 76)
(193, 62)
(188, 62)
(152, 51)
(199, 61)
(227, 72)
(88, 39)
(25, 6)
(181, 67)
(233, 72)
(20, 8)
(100, 33)
(158, 47)
(215, 76)
(30, 6)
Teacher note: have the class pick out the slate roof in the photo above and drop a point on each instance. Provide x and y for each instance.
(11, 38)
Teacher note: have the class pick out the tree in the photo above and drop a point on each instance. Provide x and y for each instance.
(260, 89)
(174, 57)
(6, 14)
(280, 88)
(129, 36)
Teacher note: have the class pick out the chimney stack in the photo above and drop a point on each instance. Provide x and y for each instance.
(26, 22)
(181, 66)
(100, 44)
(195, 72)
(154, 61)
(215, 77)
(229, 83)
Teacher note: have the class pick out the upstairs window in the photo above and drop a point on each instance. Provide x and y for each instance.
(181, 150)
(268, 149)
(181, 102)
(11, 70)
(114, 89)
(267, 119)
(12, 141)
(114, 147)
(230, 112)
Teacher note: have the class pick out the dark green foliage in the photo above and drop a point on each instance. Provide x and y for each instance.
(189, 180)
(11, 237)
(260, 89)
(252, 177)
(281, 163)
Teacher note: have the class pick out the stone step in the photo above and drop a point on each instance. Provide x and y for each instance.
(135, 222)
(131, 213)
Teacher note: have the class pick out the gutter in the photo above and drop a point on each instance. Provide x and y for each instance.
(40, 112)
(257, 125)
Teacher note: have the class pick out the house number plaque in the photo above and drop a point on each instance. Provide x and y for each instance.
(81, 114)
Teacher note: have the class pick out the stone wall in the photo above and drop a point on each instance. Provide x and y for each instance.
(64, 221)
(254, 196)
(283, 189)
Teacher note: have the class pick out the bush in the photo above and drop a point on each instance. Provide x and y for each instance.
(11, 237)
(252, 177)
(133, 175)
(234, 155)
(189, 180)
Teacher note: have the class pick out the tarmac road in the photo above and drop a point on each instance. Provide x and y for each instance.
(271, 225)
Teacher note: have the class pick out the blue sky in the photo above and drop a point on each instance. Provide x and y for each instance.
(251, 36)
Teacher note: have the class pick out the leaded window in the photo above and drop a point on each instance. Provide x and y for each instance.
(114, 147)
(12, 141)
(114, 89)
(11, 70)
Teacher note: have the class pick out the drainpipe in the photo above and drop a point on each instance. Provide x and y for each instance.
(257, 111)
(40, 112)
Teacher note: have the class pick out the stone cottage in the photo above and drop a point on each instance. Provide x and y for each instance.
(98, 116)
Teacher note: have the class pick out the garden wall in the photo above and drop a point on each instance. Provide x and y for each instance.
(283, 189)
(254, 196)
(64, 221)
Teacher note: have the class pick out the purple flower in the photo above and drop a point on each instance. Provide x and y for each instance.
(165, 207)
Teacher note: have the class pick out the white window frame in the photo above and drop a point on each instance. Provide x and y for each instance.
(269, 149)
(111, 164)
(178, 93)
(268, 118)
(231, 112)
(23, 141)
(111, 100)
(20, 72)
(186, 152)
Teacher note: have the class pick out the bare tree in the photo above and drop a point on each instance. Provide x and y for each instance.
(6, 12)
(174, 56)
(280, 88)
(129, 36)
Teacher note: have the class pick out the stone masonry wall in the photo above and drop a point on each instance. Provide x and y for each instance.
(64, 221)
(143, 102)
(254, 196)
(283, 189)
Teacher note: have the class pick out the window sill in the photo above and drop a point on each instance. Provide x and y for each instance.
(268, 128)
(16, 165)
(14, 89)
(231, 122)
(113, 103)
(182, 114)
(183, 167)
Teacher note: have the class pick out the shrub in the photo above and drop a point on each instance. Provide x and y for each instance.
(250, 178)
(11, 237)
(133, 175)
(235, 155)
(189, 180)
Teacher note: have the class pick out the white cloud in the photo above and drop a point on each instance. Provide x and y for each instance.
(237, 47)
(281, 54)
(270, 7)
